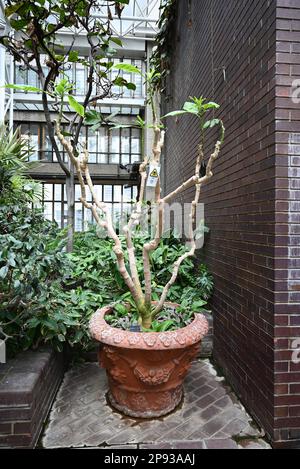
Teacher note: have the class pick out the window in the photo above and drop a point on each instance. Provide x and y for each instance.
(118, 198)
(105, 146)
(76, 74)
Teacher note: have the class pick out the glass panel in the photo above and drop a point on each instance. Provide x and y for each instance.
(98, 190)
(138, 81)
(125, 159)
(48, 210)
(134, 192)
(126, 210)
(127, 196)
(88, 218)
(102, 140)
(68, 73)
(80, 80)
(108, 194)
(92, 143)
(57, 213)
(92, 158)
(33, 141)
(117, 213)
(135, 141)
(48, 191)
(114, 159)
(115, 141)
(57, 192)
(46, 146)
(88, 194)
(126, 91)
(125, 141)
(21, 76)
(114, 74)
(117, 193)
(32, 78)
(109, 206)
(78, 216)
(82, 139)
(77, 192)
(65, 215)
(102, 159)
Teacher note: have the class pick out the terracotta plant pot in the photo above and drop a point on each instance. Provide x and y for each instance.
(146, 370)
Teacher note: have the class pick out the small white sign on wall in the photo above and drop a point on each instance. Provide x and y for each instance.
(154, 174)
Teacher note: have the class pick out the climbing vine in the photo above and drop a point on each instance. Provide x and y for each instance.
(161, 57)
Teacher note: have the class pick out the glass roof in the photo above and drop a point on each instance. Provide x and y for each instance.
(138, 19)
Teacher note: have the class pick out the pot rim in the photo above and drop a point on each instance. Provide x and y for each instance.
(179, 339)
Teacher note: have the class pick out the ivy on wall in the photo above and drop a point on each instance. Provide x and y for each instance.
(162, 52)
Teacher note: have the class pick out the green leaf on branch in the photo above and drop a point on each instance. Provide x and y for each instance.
(117, 41)
(73, 56)
(63, 87)
(191, 108)
(127, 68)
(93, 118)
(211, 105)
(175, 114)
(18, 24)
(130, 86)
(33, 89)
(76, 106)
(119, 81)
(10, 10)
(212, 123)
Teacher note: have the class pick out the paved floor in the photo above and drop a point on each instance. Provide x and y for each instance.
(210, 417)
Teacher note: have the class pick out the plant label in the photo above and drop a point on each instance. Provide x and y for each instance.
(154, 174)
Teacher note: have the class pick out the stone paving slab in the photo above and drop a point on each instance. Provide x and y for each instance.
(210, 417)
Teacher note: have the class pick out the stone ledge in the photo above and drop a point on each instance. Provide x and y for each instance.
(27, 388)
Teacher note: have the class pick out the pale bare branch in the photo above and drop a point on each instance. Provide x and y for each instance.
(82, 170)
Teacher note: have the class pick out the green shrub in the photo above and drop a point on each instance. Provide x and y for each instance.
(48, 296)
(15, 184)
(32, 267)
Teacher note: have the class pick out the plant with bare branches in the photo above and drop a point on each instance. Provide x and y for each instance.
(142, 291)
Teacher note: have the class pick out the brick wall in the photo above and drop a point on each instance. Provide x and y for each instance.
(251, 202)
(28, 385)
(287, 264)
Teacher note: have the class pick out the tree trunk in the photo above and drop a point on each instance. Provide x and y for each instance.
(70, 190)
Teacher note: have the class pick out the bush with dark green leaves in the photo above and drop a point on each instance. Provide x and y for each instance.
(15, 184)
(32, 267)
(48, 296)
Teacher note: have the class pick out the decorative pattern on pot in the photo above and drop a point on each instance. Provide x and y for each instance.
(146, 370)
(154, 376)
(186, 336)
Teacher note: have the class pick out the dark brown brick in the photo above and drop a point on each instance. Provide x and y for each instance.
(252, 203)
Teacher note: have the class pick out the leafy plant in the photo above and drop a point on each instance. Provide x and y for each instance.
(32, 269)
(199, 107)
(15, 183)
(48, 296)
(35, 31)
(162, 52)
